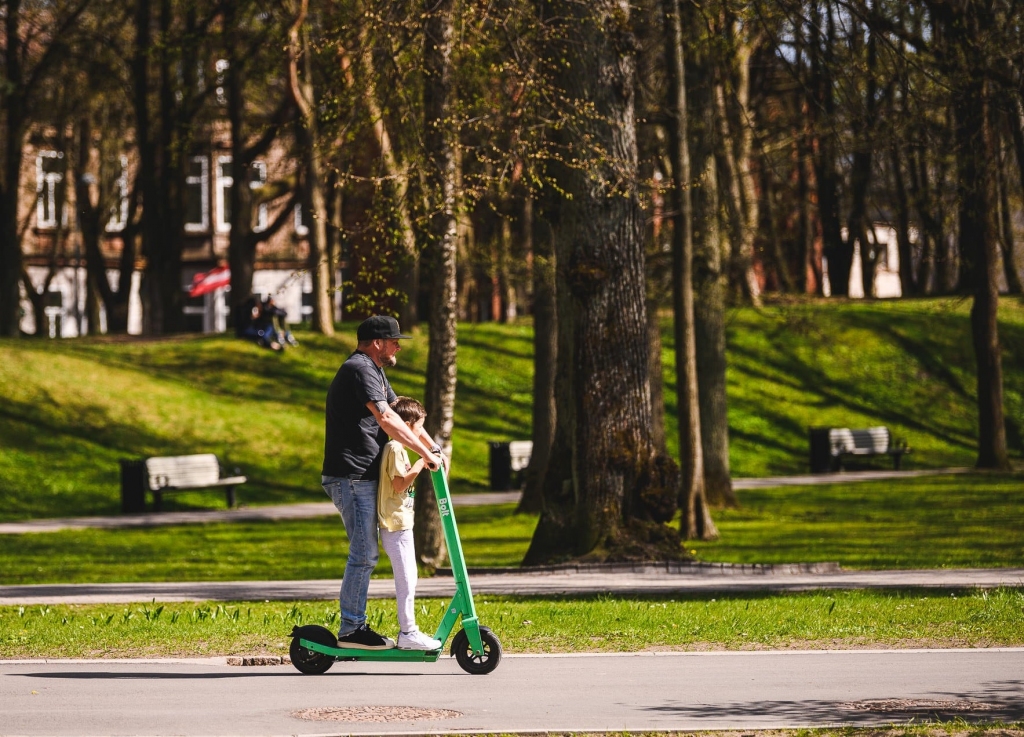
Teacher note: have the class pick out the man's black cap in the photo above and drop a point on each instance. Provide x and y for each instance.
(379, 326)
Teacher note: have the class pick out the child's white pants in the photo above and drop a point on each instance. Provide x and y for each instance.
(402, 552)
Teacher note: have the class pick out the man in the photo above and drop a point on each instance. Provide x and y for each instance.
(359, 421)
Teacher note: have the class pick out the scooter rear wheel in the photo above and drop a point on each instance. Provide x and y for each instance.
(308, 661)
(477, 665)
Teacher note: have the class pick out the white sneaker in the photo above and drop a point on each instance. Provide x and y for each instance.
(417, 640)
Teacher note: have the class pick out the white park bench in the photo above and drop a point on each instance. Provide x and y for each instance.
(169, 474)
(869, 441)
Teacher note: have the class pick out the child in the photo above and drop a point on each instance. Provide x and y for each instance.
(395, 514)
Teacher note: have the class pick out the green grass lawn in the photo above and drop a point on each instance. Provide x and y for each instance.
(964, 521)
(841, 619)
(967, 520)
(283, 550)
(72, 408)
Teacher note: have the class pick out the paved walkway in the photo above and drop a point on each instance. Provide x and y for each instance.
(529, 694)
(324, 509)
(641, 579)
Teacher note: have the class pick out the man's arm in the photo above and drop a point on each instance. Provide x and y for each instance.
(392, 424)
(434, 446)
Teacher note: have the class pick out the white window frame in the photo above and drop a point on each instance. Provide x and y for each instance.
(119, 212)
(259, 168)
(203, 180)
(224, 184)
(223, 189)
(46, 186)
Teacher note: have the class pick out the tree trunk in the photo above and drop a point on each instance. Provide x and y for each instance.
(608, 487)
(736, 146)
(838, 252)
(784, 282)
(931, 226)
(810, 272)
(1010, 267)
(441, 142)
(545, 353)
(710, 276)
(864, 125)
(314, 196)
(972, 100)
(241, 247)
(407, 272)
(91, 225)
(907, 286)
(696, 521)
(10, 190)
(10, 241)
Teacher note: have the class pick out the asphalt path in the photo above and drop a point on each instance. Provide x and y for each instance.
(568, 693)
(637, 580)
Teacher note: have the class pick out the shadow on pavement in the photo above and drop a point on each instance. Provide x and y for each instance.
(1000, 701)
(250, 672)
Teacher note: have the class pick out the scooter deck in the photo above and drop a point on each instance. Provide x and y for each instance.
(391, 654)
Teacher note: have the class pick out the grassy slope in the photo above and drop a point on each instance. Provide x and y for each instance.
(72, 408)
(905, 364)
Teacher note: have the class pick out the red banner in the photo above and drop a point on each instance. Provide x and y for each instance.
(214, 279)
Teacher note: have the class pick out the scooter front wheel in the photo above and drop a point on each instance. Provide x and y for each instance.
(472, 663)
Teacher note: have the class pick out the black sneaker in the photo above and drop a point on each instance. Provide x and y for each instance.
(366, 639)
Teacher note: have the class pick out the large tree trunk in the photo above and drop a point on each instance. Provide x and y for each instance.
(607, 479)
(241, 247)
(710, 275)
(313, 195)
(14, 102)
(972, 102)
(441, 142)
(10, 241)
(545, 353)
(696, 520)
(147, 174)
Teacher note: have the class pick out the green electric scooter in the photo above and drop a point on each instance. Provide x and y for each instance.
(315, 649)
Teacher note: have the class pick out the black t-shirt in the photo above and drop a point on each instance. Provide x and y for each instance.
(354, 442)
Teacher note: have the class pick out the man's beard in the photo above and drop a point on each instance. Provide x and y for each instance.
(391, 361)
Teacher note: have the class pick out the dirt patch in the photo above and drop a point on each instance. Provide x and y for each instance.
(375, 714)
(903, 706)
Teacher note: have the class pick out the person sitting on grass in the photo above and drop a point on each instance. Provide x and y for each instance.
(395, 514)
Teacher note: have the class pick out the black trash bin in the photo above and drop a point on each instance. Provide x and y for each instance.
(821, 450)
(501, 466)
(133, 486)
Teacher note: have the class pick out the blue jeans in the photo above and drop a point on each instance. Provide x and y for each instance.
(357, 502)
